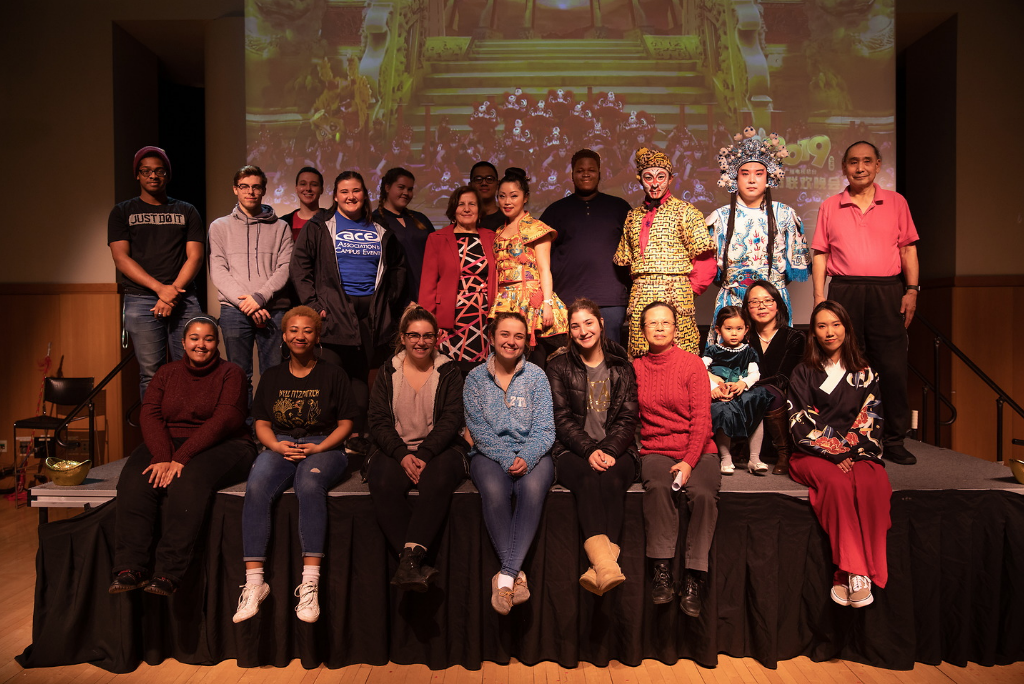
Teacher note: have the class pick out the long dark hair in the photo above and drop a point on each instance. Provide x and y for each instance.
(781, 310)
(353, 175)
(849, 354)
(584, 304)
(766, 204)
(389, 179)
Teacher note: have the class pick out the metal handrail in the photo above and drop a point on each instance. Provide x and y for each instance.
(927, 386)
(88, 400)
(1002, 397)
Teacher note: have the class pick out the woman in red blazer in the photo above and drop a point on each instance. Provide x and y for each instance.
(459, 280)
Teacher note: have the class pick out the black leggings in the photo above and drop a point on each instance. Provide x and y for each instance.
(388, 488)
(600, 496)
(188, 499)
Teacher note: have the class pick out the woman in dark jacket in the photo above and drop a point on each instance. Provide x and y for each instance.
(593, 389)
(779, 349)
(353, 272)
(416, 419)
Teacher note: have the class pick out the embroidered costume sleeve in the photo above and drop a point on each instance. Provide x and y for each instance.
(845, 423)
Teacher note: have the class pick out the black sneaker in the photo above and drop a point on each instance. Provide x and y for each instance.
(357, 445)
(161, 586)
(897, 453)
(690, 599)
(662, 590)
(126, 580)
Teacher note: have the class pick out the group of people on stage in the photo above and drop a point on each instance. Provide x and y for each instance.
(482, 370)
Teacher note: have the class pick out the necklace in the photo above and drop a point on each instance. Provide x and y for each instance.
(770, 337)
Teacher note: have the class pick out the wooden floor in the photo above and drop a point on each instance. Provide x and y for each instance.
(17, 577)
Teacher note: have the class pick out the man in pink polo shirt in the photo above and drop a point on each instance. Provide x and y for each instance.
(866, 240)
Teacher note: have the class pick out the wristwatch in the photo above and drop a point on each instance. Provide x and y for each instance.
(915, 288)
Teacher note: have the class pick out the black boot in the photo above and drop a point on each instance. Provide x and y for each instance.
(661, 589)
(693, 584)
(412, 575)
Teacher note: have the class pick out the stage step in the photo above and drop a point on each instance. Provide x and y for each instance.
(493, 68)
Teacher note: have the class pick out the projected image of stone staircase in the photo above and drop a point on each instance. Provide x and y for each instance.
(494, 67)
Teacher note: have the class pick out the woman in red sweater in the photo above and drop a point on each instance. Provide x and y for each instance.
(194, 443)
(676, 452)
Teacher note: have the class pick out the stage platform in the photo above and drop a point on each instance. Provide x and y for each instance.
(956, 559)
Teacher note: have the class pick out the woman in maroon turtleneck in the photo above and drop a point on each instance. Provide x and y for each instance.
(676, 452)
(195, 442)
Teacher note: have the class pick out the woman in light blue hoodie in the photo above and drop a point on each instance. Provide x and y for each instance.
(510, 417)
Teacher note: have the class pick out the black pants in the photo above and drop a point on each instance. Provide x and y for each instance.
(546, 346)
(600, 496)
(874, 306)
(356, 359)
(186, 501)
(388, 488)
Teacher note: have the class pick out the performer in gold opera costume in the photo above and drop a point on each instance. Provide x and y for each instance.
(668, 250)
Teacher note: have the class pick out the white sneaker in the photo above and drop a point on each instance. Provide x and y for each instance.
(250, 600)
(860, 591)
(308, 609)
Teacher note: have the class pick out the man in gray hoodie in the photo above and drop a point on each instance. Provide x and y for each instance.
(250, 250)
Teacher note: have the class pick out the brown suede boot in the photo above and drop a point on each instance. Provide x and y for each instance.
(778, 429)
(603, 556)
(588, 580)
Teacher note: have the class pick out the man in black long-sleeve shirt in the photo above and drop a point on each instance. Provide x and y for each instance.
(589, 225)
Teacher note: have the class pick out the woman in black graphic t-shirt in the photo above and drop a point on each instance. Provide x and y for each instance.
(303, 413)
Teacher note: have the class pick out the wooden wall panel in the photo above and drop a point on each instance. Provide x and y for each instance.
(986, 329)
(91, 332)
(79, 321)
(32, 323)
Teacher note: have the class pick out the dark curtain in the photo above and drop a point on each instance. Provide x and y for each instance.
(955, 559)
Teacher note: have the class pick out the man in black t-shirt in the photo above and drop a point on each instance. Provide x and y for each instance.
(589, 225)
(157, 244)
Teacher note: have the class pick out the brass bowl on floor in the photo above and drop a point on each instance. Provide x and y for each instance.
(1018, 469)
(67, 473)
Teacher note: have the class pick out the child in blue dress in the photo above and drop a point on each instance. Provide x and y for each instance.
(737, 407)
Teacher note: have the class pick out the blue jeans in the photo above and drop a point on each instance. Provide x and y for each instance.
(511, 531)
(240, 333)
(152, 336)
(270, 476)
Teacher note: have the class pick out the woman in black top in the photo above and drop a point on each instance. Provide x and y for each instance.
(593, 389)
(779, 349)
(303, 412)
(412, 227)
(415, 418)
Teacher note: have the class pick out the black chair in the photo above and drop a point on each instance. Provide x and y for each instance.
(68, 392)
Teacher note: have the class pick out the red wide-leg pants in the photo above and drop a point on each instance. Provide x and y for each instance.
(853, 508)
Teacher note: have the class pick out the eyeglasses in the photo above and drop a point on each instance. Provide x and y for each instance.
(146, 172)
(766, 302)
(484, 179)
(659, 325)
(416, 337)
(245, 187)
